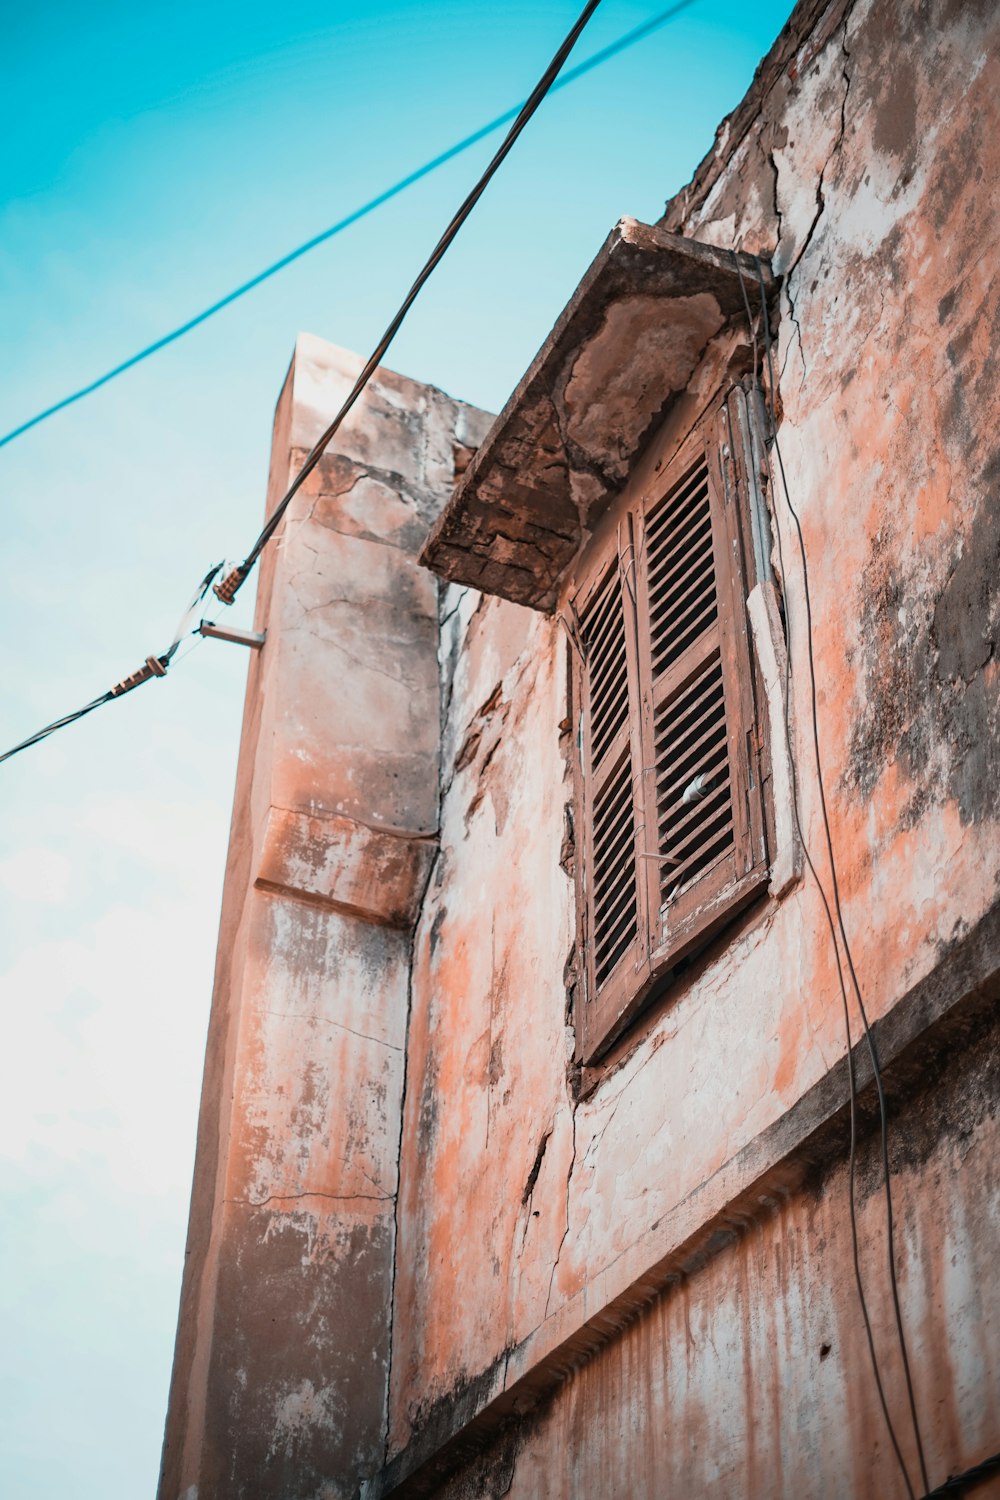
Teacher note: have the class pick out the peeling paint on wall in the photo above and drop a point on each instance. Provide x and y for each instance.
(848, 173)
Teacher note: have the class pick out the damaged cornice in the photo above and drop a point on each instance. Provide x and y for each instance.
(626, 345)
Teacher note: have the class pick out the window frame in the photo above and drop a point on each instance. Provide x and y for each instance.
(665, 936)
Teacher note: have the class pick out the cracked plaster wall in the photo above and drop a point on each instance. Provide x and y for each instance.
(767, 1323)
(869, 170)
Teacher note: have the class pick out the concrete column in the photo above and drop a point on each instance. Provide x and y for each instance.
(281, 1364)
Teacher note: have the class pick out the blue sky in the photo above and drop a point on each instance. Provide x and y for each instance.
(155, 156)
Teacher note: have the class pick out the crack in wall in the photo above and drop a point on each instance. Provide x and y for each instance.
(450, 614)
(536, 1167)
(363, 1036)
(877, 322)
(399, 1181)
(565, 1233)
(835, 149)
(357, 661)
(420, 907)
(596, 1140)
(312, 1193)
(411, 492)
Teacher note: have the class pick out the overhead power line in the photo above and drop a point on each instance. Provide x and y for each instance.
(629, 39)
(228, 587)
(156, 666)
(153, 666)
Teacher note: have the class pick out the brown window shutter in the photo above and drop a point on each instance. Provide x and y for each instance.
(615, 900)
(703, 797)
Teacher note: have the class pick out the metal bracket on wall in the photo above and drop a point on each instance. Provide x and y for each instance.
(252, 638)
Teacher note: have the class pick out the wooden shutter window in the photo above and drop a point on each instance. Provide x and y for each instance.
(693, 802)
(673, 815)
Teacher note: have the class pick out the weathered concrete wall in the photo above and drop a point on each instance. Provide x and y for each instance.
(282, 1354)
(412, 1239)
(749, 1376)
(865, 161)
(488, 1094)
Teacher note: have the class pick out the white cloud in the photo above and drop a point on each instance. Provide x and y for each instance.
(103, 1045)
(170, 836)
(36, 874)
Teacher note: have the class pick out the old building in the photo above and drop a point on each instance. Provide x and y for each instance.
(526, 1161)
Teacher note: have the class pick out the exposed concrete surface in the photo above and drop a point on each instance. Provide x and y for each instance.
(746, 1376)
(937, 1026)
(283, 1351)
(338, 862)
(623, 350)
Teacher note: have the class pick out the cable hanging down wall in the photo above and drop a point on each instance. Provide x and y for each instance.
(837, 928)
(226, 590)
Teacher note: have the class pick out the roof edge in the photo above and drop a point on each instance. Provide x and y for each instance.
(811, 21)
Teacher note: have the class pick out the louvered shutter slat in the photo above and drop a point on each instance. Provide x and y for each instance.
(698, 756)
(669, 541)
(683, 616)
(692, 748)
(681, 570)
(604, 633)
(679, 530)
(612, 818)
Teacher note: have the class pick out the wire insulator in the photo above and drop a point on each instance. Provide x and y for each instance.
(154, 668)
(227, 588)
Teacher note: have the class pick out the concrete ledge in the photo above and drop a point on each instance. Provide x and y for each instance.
(373, 873)
(623, 349)
(937, 1017)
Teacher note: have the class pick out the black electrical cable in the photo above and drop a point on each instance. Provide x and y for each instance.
(156, 666)
(228, 588)
(835, 885)
(841, 927)
(851, 1073)
(959, 1484)
(629, 39)
(62, 723)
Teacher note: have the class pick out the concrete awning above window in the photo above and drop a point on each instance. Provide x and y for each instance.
(628, 342)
